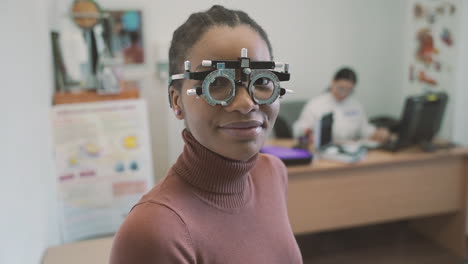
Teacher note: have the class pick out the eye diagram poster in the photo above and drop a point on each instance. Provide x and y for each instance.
(103, 164)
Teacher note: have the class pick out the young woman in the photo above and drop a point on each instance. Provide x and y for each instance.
(349, 119)
(222, 201)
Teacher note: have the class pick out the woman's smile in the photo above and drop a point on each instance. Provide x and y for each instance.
(249, 129)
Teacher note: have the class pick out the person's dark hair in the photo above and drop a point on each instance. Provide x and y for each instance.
(345, 74)
(191, 31)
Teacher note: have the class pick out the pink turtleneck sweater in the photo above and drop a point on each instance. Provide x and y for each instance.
(210, 209)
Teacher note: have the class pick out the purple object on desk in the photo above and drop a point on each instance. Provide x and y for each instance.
(290, 156)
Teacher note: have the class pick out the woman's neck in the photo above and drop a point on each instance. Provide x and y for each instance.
(213, 175)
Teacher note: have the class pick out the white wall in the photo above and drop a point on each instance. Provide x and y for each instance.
(460, 119)
(26, 174)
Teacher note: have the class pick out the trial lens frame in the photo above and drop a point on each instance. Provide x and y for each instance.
(249, 71)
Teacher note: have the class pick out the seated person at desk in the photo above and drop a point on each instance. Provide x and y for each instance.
(350, 121)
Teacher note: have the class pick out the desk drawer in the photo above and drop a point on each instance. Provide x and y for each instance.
(356, 196)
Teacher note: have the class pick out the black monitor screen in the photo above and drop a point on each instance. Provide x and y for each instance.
(421, 119)
(326, 127)
(430, 119)
(323, 131)
(409, 121)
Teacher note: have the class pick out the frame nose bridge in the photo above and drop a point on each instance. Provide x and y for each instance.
(243, 100)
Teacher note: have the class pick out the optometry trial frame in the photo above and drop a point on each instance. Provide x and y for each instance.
(219, 85)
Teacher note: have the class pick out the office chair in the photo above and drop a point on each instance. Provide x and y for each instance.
(282, 129)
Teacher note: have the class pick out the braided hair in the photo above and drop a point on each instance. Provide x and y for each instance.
(185, 37)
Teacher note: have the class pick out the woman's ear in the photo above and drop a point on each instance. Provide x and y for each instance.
(176, 102)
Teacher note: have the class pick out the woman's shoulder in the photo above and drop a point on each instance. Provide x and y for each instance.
(352, 101)
(167, 192)
(269, 160)
(325, 97)
(272, 165)
(154, 219)
(321, 101)
(151, 230)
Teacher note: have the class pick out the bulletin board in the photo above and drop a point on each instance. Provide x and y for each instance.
(103, 164)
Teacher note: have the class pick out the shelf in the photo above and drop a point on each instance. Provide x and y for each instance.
(130, 90)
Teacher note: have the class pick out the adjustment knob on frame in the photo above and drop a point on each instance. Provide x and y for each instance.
(197, 90)
(187, 65)
(244, 53)
(206, 63)
(284, 91)
(192, 92)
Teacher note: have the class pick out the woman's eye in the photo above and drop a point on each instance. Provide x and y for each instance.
(220, 82)
(262, 81)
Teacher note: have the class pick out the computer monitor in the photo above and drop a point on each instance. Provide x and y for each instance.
(420, 121)
(407, 126)
(323, 131)
(430, 118)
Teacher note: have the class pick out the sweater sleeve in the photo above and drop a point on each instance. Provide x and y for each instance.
(152, 233)
(366, 129)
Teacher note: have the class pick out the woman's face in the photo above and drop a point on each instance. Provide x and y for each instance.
(236, 131)
(341, 89)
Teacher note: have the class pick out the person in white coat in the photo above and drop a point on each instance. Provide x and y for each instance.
(349, 118)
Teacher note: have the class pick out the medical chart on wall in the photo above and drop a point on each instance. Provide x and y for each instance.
(103, 164)
(433, 48)
(434, 27)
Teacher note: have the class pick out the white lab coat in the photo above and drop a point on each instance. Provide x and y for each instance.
(349, 119)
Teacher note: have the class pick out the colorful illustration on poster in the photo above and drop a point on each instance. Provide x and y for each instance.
(425, 78)
(432, 26)
(418, 11)
(426, 49)
(446, 37)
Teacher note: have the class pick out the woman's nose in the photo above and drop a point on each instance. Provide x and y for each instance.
(242, 101)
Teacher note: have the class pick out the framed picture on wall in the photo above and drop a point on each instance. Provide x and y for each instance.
(127, 36)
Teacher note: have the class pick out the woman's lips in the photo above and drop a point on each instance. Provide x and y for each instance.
(243, 129)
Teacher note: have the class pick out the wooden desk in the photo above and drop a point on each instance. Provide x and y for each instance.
(427, 189)
(94, 251)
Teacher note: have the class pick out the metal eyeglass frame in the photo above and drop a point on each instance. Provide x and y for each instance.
(250, 71)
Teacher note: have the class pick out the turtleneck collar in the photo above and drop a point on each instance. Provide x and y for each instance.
(221, 180)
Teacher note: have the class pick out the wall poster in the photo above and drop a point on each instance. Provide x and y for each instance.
(103, 164)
